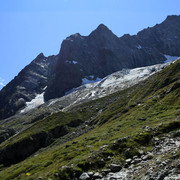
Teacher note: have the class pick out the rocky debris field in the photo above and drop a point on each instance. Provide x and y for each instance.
(162, 162)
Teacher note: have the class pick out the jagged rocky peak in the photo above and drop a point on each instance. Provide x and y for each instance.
(30, 82)
(41, 60)
(74, 36)
(164, 37)
(102, 31)
(102, 28)
(40, 56)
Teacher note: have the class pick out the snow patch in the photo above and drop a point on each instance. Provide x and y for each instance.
(37, 101)
(74, 62)
(90, 79)
(45, 88)
(139, 47)
(71, 62)
(42, 65)
(170, 58)
(127, 76)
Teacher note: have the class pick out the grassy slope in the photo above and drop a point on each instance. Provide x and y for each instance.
(151, 103)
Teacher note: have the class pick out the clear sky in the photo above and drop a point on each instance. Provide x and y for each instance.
(29, 27)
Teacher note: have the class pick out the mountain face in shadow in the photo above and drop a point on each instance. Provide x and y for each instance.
(89, 57)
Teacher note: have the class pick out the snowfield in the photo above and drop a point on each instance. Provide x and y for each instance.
(115, 82)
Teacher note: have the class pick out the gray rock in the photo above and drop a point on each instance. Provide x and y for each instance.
(137, 160)
(177, 133)
(162, 175)
(115, 167)
(101, 162)
(106, 171)
(141, 152)
(121, 140)
(128, 161)
(164, 163)
(56, 174)
(90, 174)
(148, 156)
(97, 175)
(178, 165)
(84, 176)
(142, 119)
(5, 134)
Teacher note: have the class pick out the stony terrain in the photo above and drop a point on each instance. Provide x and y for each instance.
(162, 162)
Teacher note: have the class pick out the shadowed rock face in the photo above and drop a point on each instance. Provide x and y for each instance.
(25, 86)
(102, 53)
(6, 133)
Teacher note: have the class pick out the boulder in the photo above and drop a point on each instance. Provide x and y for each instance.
(115, 167)
(148, 156)
(84, 176)
(97, 175)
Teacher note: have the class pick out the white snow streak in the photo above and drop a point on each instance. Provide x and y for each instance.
(71, 62)
(90, 79)
(37, 101)
(139, 47)
(170, 58)
(74, 62)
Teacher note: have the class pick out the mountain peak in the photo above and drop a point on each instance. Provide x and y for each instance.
(40, 56)
(102, 27)
(102, 30)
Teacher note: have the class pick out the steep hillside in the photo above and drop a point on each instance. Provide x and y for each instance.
(117, 81)
(103, 136)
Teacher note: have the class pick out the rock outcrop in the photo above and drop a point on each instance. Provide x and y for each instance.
(31, 81)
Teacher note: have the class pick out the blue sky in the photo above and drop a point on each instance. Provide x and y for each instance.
(29, 27)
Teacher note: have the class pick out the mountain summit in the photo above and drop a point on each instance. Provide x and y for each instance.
(101, 31)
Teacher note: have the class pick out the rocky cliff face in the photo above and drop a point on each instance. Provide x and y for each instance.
(86, 58)
(31, 81)
(102, 53)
